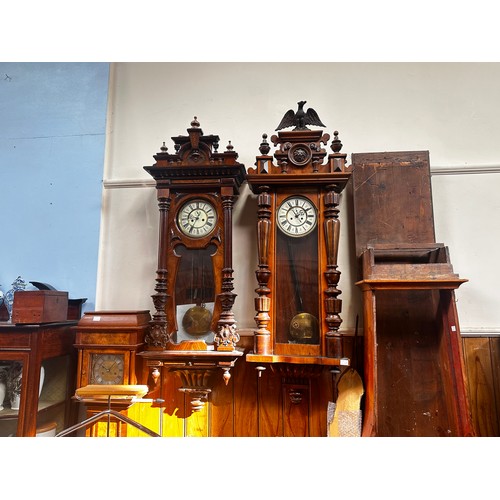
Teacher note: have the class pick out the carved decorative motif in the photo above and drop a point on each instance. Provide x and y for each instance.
(300, 118)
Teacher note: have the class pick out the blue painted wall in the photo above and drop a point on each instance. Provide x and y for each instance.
(52, 139)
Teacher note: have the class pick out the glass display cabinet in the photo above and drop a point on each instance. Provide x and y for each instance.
(37, 367)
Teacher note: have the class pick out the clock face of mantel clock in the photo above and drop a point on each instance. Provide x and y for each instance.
(107, 369)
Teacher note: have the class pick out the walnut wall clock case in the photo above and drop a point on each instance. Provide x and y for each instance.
(298, 229)
(193, 329)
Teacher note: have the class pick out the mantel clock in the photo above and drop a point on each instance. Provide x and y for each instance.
(107, 344)
(197, 187)
(297, 307)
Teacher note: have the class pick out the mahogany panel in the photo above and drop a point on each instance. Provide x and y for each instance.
(495, 364)
(482, 382)
(222, 414)
(415, 383)
(393, 202)
(482, 372)
(270, 404)
(246, 396)
(296, 414)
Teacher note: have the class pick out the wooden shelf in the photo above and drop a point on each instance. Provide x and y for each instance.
(303, 360)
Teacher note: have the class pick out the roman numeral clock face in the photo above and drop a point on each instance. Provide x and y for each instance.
(297, 216)
(197, 218)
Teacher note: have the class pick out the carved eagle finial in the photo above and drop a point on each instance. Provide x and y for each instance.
(300, 119)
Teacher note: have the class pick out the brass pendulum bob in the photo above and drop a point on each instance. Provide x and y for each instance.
(304, 326)
(197, 319)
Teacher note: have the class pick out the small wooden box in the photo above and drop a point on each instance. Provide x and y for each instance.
(40, 306)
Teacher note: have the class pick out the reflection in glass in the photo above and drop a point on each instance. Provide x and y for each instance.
(297, 300)
(11, 373)
(195, 293)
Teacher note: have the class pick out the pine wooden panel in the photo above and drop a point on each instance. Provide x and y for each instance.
(146, 415)
(481, 383)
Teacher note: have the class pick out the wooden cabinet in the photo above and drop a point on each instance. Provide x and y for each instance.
(38, 362)
(414, 369)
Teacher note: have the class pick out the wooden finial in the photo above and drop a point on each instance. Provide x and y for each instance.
(336, 144)
(264, 145)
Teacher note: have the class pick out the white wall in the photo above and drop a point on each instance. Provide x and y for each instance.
(450, 109)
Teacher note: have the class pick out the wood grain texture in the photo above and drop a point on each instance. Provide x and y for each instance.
(259, 408)
(246, 395)
(483, 383)
(221, 407)
(393, 200)
(495, 364)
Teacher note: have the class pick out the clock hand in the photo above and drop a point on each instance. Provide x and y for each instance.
(194, 219)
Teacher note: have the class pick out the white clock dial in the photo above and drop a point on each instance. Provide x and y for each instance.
(297, 216)
(197, 218)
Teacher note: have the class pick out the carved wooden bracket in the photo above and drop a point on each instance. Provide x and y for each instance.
(197, 370)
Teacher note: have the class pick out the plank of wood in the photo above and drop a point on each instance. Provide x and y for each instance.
(115, 391)
(403, 212)
(495, 365)
(481, 386)
(346, 419)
